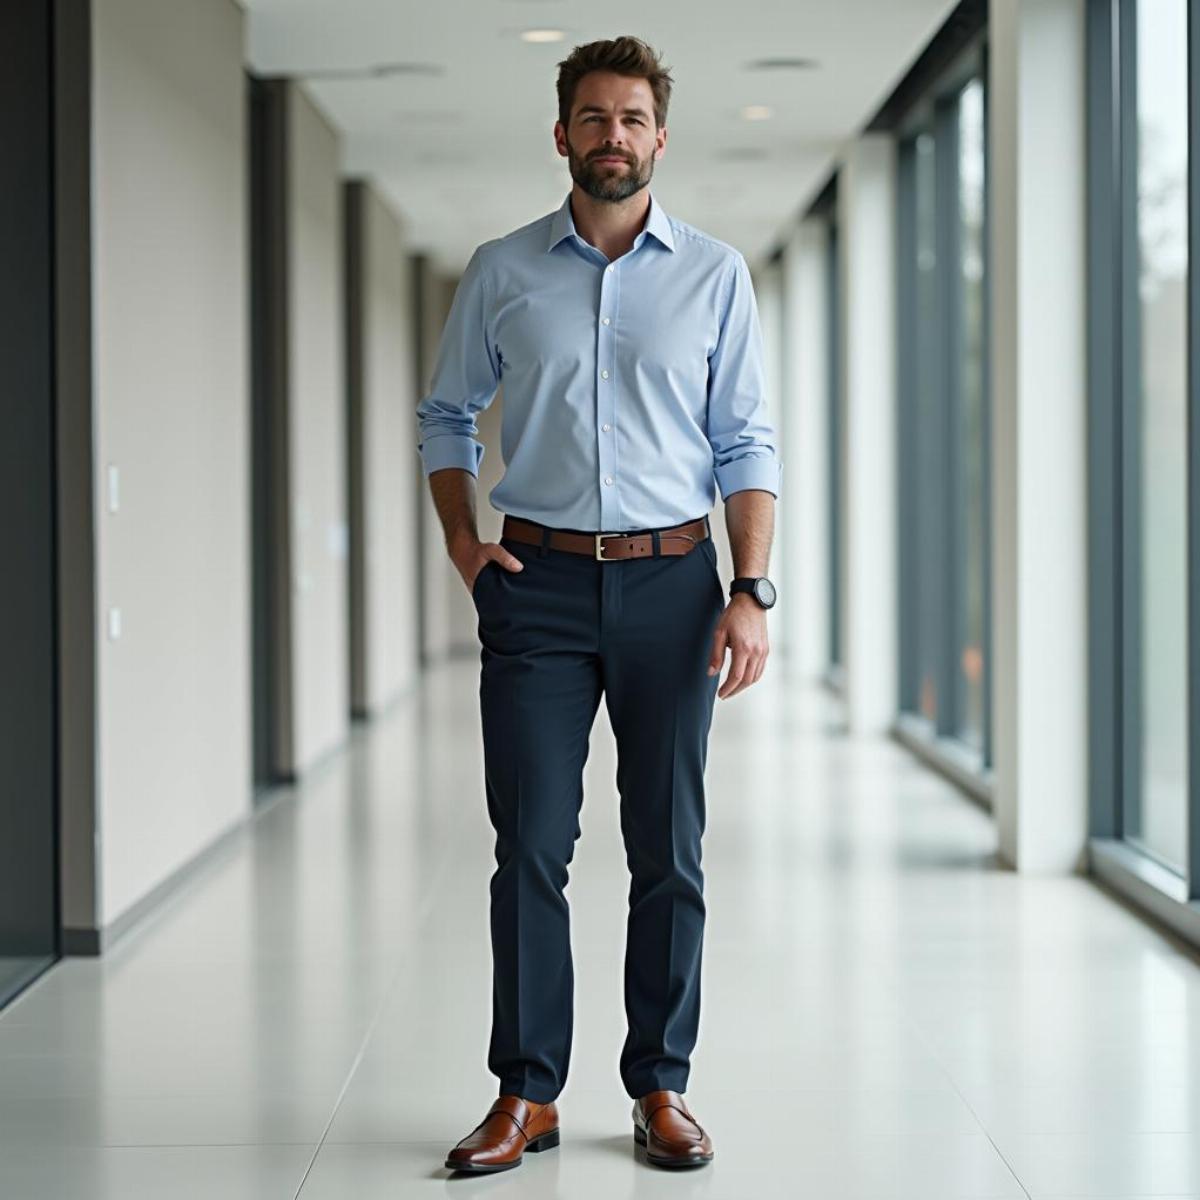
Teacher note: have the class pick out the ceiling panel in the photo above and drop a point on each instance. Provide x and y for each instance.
(460, 142)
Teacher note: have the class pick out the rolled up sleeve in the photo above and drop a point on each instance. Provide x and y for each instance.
(464, 382)
(739, 431)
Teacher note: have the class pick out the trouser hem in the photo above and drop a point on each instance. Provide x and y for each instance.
(535, 1095)
(638, 1089)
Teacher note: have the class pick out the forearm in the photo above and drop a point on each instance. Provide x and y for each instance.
(453, 491)
(750, 520)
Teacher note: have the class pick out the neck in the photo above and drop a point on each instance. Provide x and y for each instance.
(609, 226)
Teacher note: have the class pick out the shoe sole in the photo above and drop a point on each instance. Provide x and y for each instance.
(547, 1141)
(639, 1136)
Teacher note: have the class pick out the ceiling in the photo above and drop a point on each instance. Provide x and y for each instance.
(460, 139)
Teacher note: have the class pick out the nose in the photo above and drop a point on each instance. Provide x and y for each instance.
(614, 135)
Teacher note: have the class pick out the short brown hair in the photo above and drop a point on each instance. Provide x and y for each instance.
(625, 56)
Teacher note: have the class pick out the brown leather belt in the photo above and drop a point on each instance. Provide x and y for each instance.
(609, 547)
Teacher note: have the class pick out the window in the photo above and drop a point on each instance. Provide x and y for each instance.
(942, 431)
(1156, 810)
(1142, 458)
(973, 597)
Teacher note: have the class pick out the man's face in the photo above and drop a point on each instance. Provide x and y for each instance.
(611, 144)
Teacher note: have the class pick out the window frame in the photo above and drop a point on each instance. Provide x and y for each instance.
(1114, 457)
(937, 113)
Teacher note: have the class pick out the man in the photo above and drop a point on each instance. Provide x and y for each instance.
(631, 357)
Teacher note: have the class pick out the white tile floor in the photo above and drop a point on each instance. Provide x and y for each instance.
(885, 1014)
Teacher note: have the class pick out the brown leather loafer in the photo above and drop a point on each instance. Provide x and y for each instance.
(498, 1143)
(663, 1123)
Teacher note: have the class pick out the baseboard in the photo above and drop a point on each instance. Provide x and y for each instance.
(91, 942)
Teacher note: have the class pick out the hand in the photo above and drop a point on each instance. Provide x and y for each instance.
(470, 557)
(743, 629)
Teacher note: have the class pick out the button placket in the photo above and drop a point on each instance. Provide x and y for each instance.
(606, 398)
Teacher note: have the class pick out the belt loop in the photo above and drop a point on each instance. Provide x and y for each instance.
(654, 539)
(545, 541)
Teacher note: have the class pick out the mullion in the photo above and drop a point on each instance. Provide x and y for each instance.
(906, 442)
(1104, 376)
(928, 539)
(834, 409)
(951, 524)
(1130, 431)
(1193, 463)
(986, 405)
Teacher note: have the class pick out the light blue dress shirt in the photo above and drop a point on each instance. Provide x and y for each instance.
(630, 387)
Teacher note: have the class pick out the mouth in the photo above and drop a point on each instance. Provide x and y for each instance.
(610, 159)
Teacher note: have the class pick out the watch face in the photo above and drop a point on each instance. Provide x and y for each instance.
(764, 592)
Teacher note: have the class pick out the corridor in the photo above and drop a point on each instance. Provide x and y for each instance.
(885, 1012)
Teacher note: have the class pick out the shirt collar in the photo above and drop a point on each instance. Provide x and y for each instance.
(657, 223)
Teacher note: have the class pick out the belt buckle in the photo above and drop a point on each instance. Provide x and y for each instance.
(599, 554)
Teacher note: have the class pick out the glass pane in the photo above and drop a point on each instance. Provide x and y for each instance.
(970, 592)
(928, 473)
(1162, 297)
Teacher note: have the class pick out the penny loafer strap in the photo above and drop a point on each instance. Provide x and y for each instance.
(647, 1114)
(501, 1107)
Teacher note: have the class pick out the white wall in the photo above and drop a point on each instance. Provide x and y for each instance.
(804, 540)
(866, 222)
(171, 413)
(320, 545)
(769, 297)
(390, 462)
(1039, 438)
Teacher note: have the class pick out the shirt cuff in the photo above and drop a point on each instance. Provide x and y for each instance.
(759, 471)
(451, 450)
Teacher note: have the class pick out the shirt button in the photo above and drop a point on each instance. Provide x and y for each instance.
(604, 374)
(610, 270)
(606, 428)
(605, 321)
(608, 479)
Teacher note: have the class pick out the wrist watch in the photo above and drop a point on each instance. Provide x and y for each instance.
(762, 589)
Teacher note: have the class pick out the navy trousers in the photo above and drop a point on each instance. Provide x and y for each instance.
(554, 638)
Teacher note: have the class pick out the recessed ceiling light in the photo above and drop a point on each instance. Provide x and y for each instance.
(538, 36)
(756, 112)
(782, 64)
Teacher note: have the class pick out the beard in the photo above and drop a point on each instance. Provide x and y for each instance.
(610, 181)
